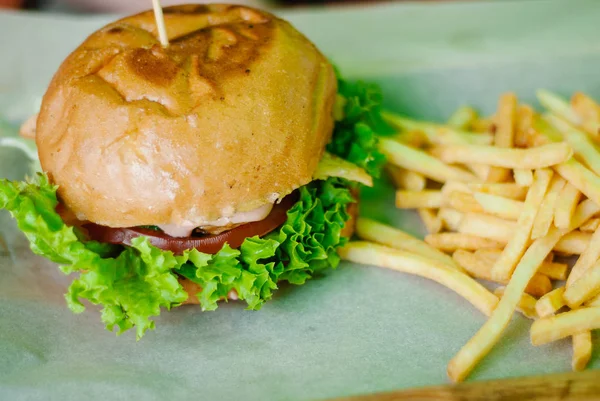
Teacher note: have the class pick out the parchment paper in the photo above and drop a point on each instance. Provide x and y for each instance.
(358, 330)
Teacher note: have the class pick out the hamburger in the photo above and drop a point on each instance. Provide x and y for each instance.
(213, 168)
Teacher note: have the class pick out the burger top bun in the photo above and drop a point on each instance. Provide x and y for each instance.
(234, 114)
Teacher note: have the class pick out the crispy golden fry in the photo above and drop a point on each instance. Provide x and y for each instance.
(420, 162)
(526, 304)
(431, 221)
(375, 231)
(483, 341)
(462, 118)
(554, 271)
(449, 242)
(584, 288)
(506, 190)
(487, 226)
(591, 226)
(482, 172)
(589, 113)
(523, 129)
(582, 144)
(550, 303)
(505, 121)
(406, 179)
(565, 206)
(582, 350)
(545, 215)
(532, 158)
(523, 177)
(450, 218)
(558, 106)
(413, 138)
(463, 202)
(407, 262)
(573, 243)
(483, 125)
(436, 133)
(479, 267)
(593, 302)
(519, 238)
(586, 259)
(581, 178)
(499, 206)
(427, 198)
(566, 324)
(454, 186)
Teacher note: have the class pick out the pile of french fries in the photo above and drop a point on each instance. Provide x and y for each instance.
(505, 200)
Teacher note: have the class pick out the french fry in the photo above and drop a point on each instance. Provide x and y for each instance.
(582, 350)
(487, 226)
(566, 324)
(483, 125)
(593, 302)
(589, 113)
(462, 118)
(582, 144)
(565, 205)
(531, 158)
(505, 121)
(449, 242)
(427, 198)
(463, 202)
(450, 218)
(436, 133)
(499, 206)
(480, 268)
(545, 215)
(506, 190)
(489, 334)
(375, 231)
(432, 223)
(407, 262)
(558, 106)
(482, 172)
(420, 162)
(586, 259)
(573, 243)
(524, 125)
(406, 179)
(551, 302)
(526, 304)
(584, 288)
(519, 238)
(454, 186)
(591, 226)
(523, 177)
(413, 138)
(554, 271)
(581, 178)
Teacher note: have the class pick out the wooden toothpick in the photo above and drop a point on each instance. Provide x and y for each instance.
(160, 23)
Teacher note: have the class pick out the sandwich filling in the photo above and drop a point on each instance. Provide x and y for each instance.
(134, 272)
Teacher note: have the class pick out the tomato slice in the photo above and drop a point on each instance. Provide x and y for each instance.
(210, 244)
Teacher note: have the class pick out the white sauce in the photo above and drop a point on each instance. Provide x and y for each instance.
(185, 230)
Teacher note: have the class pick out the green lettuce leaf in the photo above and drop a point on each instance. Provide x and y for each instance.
(134, 283)
(359, 121)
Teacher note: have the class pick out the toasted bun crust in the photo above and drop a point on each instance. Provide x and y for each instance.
(234, 114)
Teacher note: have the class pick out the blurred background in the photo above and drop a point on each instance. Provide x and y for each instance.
(130, 6)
